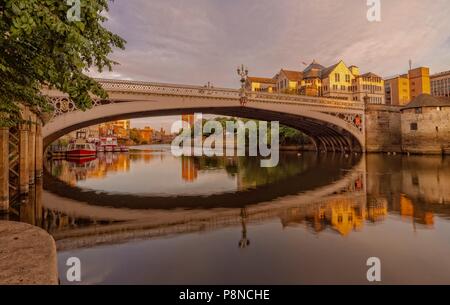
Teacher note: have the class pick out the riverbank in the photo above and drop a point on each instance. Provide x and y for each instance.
(27, 255)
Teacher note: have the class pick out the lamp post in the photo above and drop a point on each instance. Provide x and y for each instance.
(244, 242)
(243, 73)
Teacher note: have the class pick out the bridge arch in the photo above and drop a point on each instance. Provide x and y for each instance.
(332, 125)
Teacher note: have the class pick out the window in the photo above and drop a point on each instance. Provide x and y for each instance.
(343, 88)
(337, 77)
(418, 110)
(415, 180)
(347, 78)
(413, 126)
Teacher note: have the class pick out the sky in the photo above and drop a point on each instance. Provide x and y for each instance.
(200, 41)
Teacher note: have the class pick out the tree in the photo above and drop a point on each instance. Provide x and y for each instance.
(40, 46)
(134, 136)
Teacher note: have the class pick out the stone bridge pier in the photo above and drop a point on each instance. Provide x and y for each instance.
(21, 157)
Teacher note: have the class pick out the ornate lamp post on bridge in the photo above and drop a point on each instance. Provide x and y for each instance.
(243, 73)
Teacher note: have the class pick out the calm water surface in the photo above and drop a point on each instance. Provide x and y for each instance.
(147, 217)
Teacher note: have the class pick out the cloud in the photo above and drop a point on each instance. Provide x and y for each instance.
(196, 41)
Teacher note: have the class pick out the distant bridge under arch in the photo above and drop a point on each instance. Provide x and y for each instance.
(332, 125)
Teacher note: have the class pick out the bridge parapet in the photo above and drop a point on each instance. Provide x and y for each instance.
(62, 104)
(167, 89)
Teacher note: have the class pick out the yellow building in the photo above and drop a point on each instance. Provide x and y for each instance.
(311, 83)
(402, 89)
(337, 81)
(419, 81)
(288, 81)
(342, 82)
(125, 124)
(370, 86)
(397, 90)
(261, 84)
(120, 128)
(146, 135)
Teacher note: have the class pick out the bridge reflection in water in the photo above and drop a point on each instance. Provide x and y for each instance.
(315, 218)
(414, 189)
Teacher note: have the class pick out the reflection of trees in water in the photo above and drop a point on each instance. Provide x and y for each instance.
(413, 188)
(249, 169)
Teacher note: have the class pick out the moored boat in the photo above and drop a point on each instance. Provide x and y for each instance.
(81, 148)
(109, 144)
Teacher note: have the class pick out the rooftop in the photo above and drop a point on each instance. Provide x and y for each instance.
(426, 100)
(292, 75)
(264, 80)
(370, 74)
(440, 74)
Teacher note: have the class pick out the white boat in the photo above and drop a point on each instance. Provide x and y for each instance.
(109, 144)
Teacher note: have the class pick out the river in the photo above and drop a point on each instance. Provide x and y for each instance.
(147, 217)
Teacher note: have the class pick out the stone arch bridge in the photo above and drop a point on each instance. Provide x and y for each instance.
(332, 125)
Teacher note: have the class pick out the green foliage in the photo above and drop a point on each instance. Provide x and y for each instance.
(134, 136)
(288, 135)
(39, 47)
(292, 136)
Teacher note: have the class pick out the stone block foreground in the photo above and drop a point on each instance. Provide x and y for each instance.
(27, 255)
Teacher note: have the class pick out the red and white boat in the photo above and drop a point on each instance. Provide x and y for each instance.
(109, 144)
(81, 149)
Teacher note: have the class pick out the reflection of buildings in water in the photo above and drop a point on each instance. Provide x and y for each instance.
(377, 209)
(189, 170)
(147, 158)
(342, 212)
(342, 215)
(427, 179)
(70, 172)
(413, 213)
(424, 179)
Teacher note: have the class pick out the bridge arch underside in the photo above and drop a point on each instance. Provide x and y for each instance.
(324, 135)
